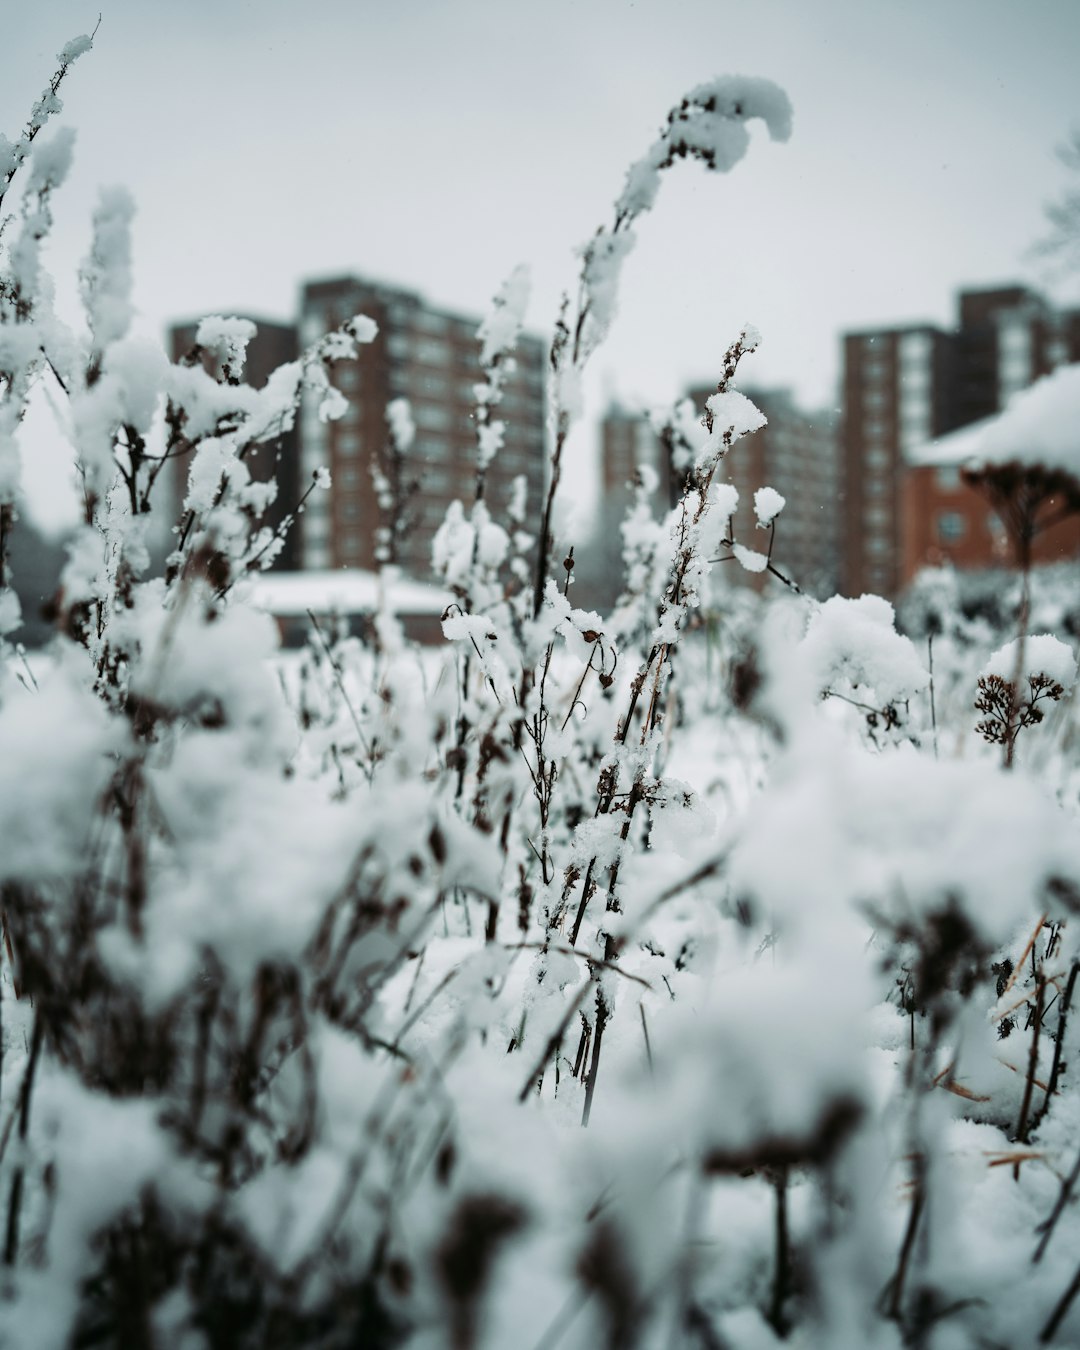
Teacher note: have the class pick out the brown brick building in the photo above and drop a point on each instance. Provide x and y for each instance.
(628, 441)
(905, 387)
(796, 453)
(430, 357)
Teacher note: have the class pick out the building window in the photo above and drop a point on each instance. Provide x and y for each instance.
(1014, 357)
(432, 351)
(431, 447)
(915, 414)
(312, 329)
(1016, 337)
(947, 478)
(437, 478)
(399, 346)
(348, 442)
(350, 510)
(877, 457)
(349, 477)
(874, 429)
(915, 350)
(346, 375)
(873, 371)
(951, 526)
(431, 322)
(914, 399)
(431, 415)
(877, 544)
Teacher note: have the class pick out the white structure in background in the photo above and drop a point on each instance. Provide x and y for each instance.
(352, 594)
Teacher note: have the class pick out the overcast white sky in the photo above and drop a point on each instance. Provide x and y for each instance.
(435, 145)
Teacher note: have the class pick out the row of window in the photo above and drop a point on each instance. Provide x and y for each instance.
(448, 417)
(519, 451)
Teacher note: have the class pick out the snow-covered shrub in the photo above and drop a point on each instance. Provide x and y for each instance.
(313, 973)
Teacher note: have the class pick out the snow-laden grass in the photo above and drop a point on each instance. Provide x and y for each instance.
(694, 975)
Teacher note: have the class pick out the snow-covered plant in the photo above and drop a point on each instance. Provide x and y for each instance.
(708, 125)
(314, 969)
(394, 488)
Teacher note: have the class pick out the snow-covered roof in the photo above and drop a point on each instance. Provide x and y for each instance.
(348, 590)
(1040, 425)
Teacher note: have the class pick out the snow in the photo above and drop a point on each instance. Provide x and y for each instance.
(50, 783)
(362, 329)
(333, 405)
(50, 161)
(71, 51)
(10, 612)
(345, 591)
(402, 428)
(1038, 426)
(708, 124)
(1043, 654)
(899, 835)
(735, 413)
(854, 643)
(227, 338)
(749, 558)
(106, 274)
(326, 947)
(768, 503)
(604, 256)
(499, 332)
(489, 442)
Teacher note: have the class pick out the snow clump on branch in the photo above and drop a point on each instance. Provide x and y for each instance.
(709, 124)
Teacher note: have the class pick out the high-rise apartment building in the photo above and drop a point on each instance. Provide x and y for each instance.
(430, 357)
(272, 346)
(904, 387)
(796, 453)
(627, 441)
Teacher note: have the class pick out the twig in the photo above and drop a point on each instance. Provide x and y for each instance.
(1033, 1062)
(1023, 957)
(1059, 1044)
(369, 768)
(591, 957)
(1058, 1315)
(782, 1257)
(645, 1033)
(1046, 1228)
(594, 1067)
